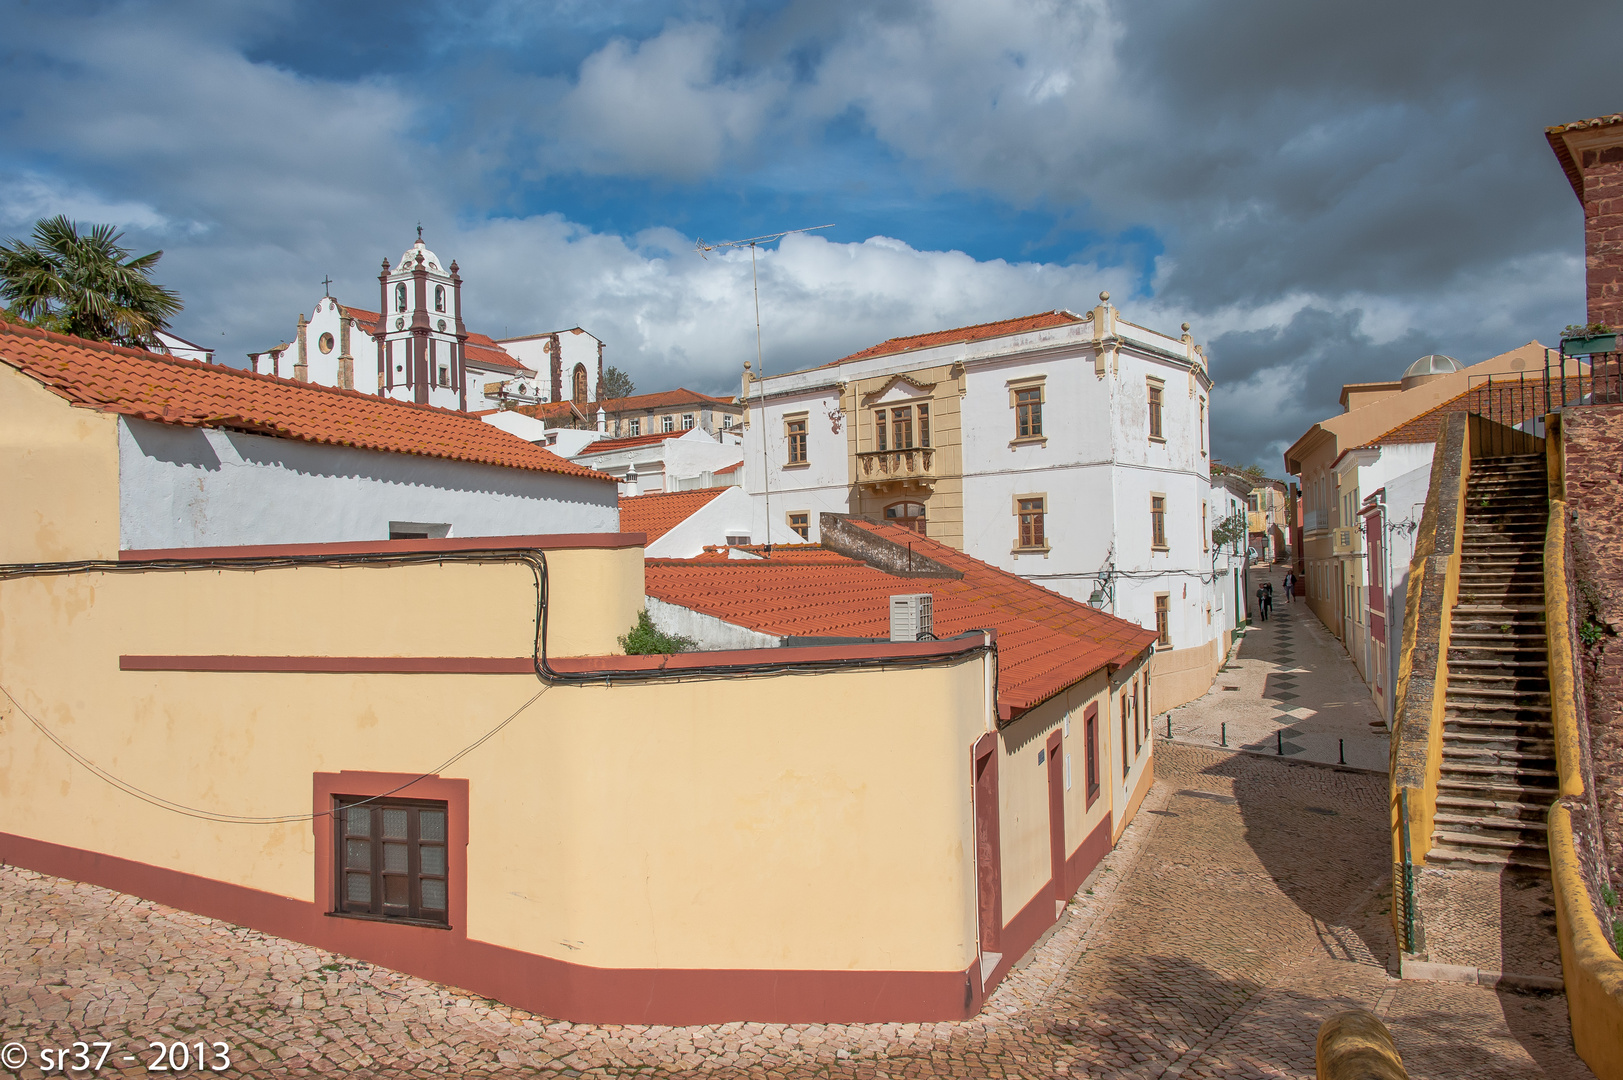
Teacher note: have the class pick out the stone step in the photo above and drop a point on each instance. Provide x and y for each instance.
(1470, 725)
(1470, 741)
(1497, 791)
(1519, 830)
(1447, 854)
(1463, 663)
(1477, 841)
(1513, 775)
(1531, 761)
(1503, 808)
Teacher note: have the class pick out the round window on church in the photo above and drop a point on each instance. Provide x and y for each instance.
(324, 343)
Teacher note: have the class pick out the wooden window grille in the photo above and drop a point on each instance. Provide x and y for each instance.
(1032, 512)
(1028, 412)
(1163, 619)
(1155, 410)
(795, 430)
(1158, 521)
(901, 428)
(393, 861)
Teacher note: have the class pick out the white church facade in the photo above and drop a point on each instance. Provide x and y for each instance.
(417, 348)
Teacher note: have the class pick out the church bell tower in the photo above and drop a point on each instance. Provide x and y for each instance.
(422, 337)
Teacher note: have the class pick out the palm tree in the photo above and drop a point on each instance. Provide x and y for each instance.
(85, 285)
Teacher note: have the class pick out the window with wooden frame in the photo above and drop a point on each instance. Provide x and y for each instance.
(909, 515)
(1205, 533)
(1141, 725)
(1031, 511)
(1201, 434)
(1157, 391)
(1158, 522)
(1163, 618)
(794, 433)
(1090, 733)
(1026, 398)
(924, 425)
(800, 523)
(392, 859)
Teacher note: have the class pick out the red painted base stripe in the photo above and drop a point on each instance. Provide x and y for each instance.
(539, 984)
(1021, 932)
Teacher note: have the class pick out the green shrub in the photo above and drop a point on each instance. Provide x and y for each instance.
(646, 639)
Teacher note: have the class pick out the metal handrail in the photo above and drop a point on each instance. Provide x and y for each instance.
(1408, 883)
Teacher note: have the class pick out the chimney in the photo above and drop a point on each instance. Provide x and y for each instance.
(632, 487)
(1591, 154)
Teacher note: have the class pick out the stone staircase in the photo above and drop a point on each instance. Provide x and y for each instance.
(1498, 774)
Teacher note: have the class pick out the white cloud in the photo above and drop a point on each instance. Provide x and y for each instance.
(29, 196)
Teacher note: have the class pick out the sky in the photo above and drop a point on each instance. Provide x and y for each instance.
(1324, 191)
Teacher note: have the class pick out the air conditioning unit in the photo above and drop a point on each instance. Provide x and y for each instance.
(912, 617)
(1342, 541)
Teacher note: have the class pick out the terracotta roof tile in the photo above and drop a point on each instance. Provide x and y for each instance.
(169, 390)
(659, 512)
(1046, 642)
(1507, 399)
(608, 446)
(664, 399)
(978, 332)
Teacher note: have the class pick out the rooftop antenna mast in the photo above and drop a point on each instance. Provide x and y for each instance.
(704, 250)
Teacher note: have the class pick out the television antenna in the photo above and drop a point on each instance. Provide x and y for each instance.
(704, 250)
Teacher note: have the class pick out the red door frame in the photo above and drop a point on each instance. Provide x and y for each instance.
(988, 843)
(1056, 816)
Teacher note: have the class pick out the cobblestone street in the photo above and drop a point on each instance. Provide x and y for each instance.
(1245, 904)
(1289, 688)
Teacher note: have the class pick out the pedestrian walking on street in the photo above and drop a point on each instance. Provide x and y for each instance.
(1267, 599)
(1289, 584)
(1262, 603)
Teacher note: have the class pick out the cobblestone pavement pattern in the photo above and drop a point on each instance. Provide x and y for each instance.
(1243, 906)
(1289, 685)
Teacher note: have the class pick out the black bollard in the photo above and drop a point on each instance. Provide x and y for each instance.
(1341, 747)
(1224, 736)
(1279, 742)
(1169, 725)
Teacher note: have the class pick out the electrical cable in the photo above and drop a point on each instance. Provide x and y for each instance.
(534, 559)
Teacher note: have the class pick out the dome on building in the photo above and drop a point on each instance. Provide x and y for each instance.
(409, 259)
(1435, 364)
(1427, 368)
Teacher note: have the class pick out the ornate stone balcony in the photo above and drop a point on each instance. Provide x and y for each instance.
(884, 469)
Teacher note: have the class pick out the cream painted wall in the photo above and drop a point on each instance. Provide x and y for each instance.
(764, 822)
(60, 486)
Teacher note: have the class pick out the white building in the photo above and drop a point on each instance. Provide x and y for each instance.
(571, 363)
(415, 348)
(175, 345)
(1068, 449)
(646, 464)
(1229, 588)
(205, 455)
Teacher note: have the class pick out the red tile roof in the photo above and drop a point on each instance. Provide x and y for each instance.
(979, 332)
(665, 399)
(608, 446)
(1046, 642)
(482, 349)
(1519, 400)
(169, 390)
(658, 513)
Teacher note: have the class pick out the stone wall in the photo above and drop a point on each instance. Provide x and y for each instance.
(1593, 445)
(1603, 231)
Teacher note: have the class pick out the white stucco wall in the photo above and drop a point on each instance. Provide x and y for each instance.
(728, 514)
(193, 487)
(707, 631)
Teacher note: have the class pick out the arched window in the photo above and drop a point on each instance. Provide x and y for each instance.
(400, 296)
(439, 298)
(909, 515)
(579, 383)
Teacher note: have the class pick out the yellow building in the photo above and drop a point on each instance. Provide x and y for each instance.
(1329, 562)
(425, 753)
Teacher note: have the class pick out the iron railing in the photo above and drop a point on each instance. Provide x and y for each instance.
(1406, 873)
(1518, 402)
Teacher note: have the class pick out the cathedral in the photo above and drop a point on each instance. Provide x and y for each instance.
(421, 351)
